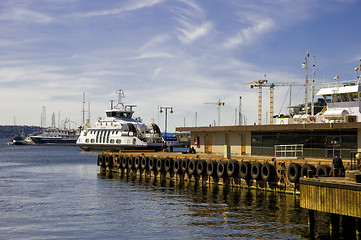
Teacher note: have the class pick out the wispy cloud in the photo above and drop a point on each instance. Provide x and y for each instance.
(193, 24)
(257, 27)
(155, 41)
(129, 6)
(25, 15)
(191, 32)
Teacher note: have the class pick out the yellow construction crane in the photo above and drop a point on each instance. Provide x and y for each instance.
(264, 83)
(219, 103)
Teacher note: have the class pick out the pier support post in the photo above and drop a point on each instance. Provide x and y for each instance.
(335, 226)
(358, 228)
(311, 221)
(348, 227)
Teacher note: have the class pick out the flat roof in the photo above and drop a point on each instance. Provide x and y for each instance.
(275, 127)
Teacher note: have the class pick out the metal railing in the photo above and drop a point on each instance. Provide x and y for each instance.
(289, 151)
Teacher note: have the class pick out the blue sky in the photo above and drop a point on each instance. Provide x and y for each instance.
(179, 53)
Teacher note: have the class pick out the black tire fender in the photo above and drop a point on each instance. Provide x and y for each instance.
(160, 164)
(268, 172)
(232, 168)
(137, 161)
(124, 161)
(184, 165)
(177, 166)
(294, 172)
(245, 170)
(212, 168)
(256, 170)
(307, 167)
(323, 170)
(144, 162)
(168, 164)
(130, 162)
(152, 163)
(100, 160)
(108, 160)
(222, 169)
(192, 167)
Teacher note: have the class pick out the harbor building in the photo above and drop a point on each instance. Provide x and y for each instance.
(316, 140)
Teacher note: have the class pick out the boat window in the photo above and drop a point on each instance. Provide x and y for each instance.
(87, 140)
(327, 98)
(119, 141)
(111, 140)
(103, 134)
(116, 132)
(354, 96)
(124, 114)
(336, 98)
(345, 97)
(92, 140)
(108, 133)
(97, 137)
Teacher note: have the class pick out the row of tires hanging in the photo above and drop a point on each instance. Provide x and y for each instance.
(246, 170)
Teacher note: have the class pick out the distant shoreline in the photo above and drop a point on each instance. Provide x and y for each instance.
(9, 131)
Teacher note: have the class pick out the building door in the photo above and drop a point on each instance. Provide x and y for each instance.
(207, 143)
(243, 144)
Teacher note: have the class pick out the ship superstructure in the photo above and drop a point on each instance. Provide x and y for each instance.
(120, 131)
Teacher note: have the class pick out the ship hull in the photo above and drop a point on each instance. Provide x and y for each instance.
(116, 148)
(53, 141)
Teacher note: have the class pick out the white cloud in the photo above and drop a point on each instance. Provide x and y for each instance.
(155, 41)
(157, 71)
(193, 24)
(190, 32)
(25, 15)
(129, 6)
(258, 27)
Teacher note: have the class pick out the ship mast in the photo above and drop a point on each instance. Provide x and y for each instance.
(313, 88)
(305, 66)
(120, 96)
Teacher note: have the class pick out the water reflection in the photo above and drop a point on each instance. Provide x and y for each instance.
(219, 211)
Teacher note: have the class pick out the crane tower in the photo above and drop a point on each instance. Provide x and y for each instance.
(219, 103)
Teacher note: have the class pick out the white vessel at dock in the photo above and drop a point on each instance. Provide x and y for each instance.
(343, 104)
(120, 131)
(56, 136)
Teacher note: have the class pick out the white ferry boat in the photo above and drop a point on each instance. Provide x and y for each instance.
(120, 131)
(56, 136)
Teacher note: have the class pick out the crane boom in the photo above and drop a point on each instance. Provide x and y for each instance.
(264, 83)
(219, 103)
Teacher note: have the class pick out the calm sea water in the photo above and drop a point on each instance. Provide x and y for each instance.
(57, 193)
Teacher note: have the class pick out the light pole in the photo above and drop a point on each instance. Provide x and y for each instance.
(165, 122)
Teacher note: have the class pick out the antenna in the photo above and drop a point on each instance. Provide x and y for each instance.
(240, 111)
